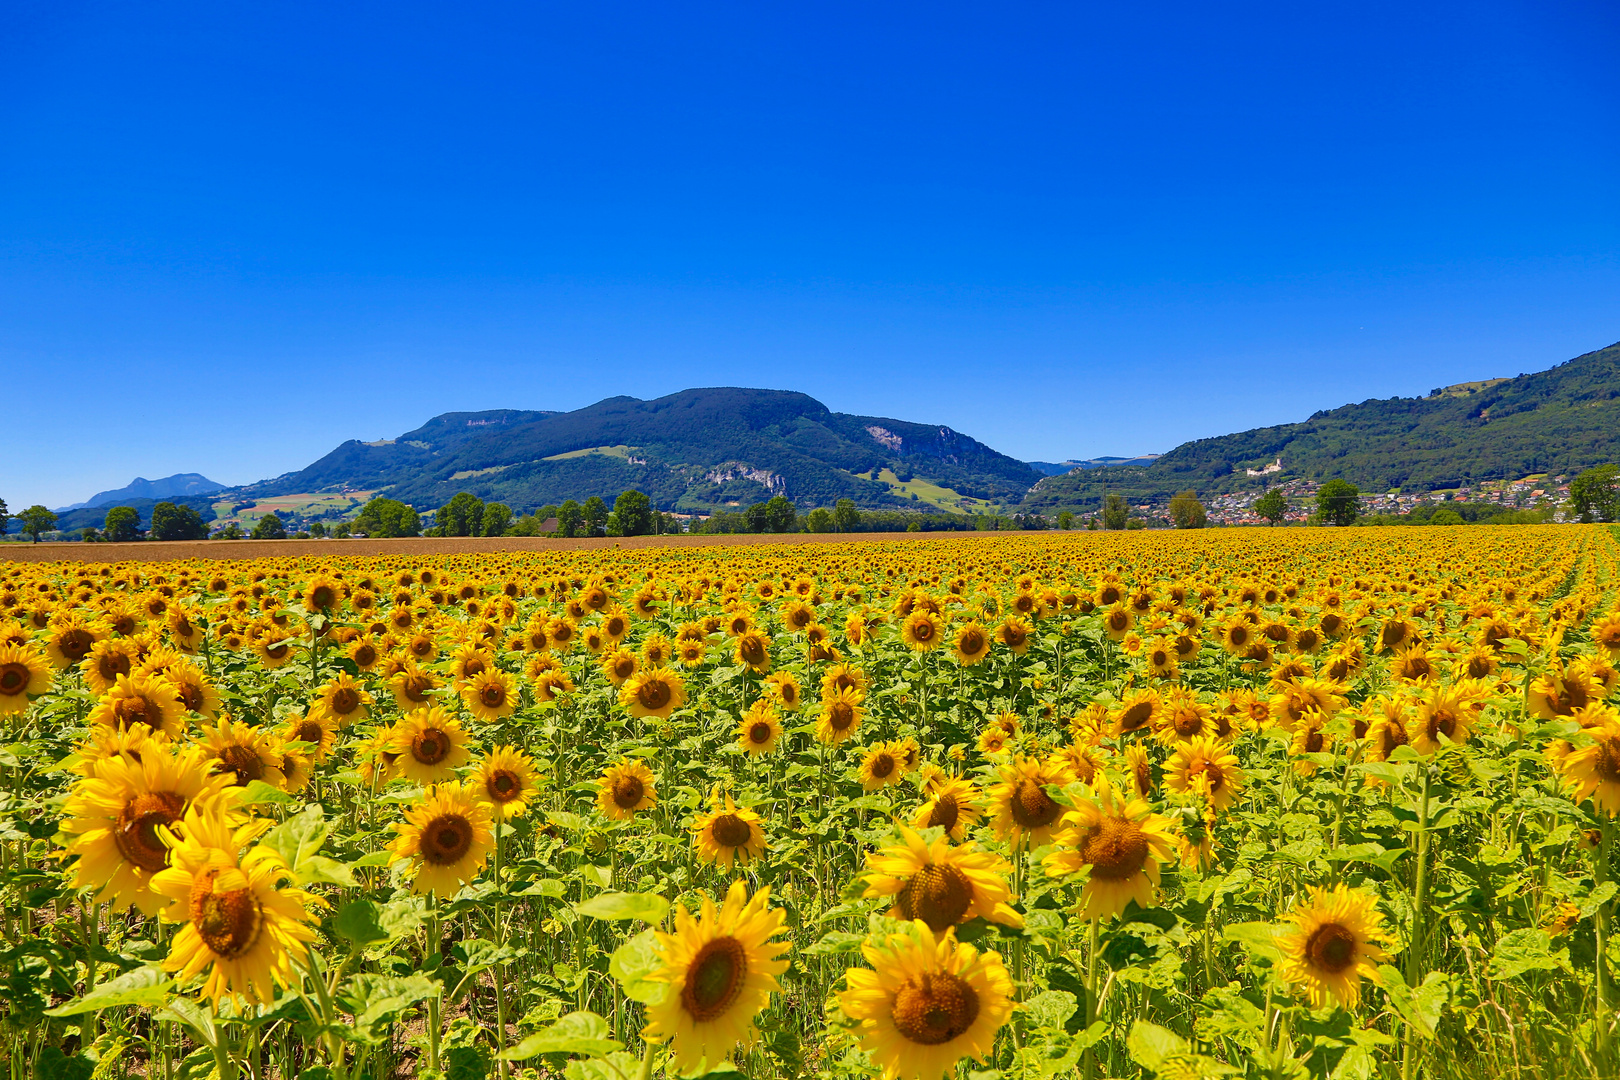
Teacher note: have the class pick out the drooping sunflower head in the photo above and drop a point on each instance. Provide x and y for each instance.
(315, 728)
(1333, 944)
(448, 835)
(625, 789)
(1139, 711)
(927, 1002)
(244, 753)
(953, 805)
(940, 884)
(1025, 814)
(754, 650)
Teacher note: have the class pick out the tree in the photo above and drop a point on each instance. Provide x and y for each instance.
(233, 531)
(5, 518)
(1187, 512)
(35, 520)
(1338, 502)
(91, 535)
(1445, 516)
(1271, 506)
(570, 518)
(1065, 519)
(781, 515)
(1115, 511)
(634, 512)
(845, 517)
(497, 516)
(383, 517)
(269, 528)
(172, 522)
(123, 524)
(595, 512)
(463, 515)
(819, 520)
(527, 525)
(316, 529)
(1595, 494)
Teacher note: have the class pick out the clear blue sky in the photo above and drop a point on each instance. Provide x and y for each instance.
(232, 235)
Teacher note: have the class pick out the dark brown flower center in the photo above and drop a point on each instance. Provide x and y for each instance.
(110, 665)
(492, 695)
(1331, 948)
(628, 791)
(75, 644)
(1116, 848)
(840, 714)
(945, 812)
(242, 762)
(137, 710)
(938, 895)
(430, 746)
(309, 731)
(13, 679)
(971, 643)
(752, 650)
(1136, 717)
(653, 694)
(505, 785)
(759, 733)
(1032, 807)
(446, 839)
(137, 836)
(730, 830)
(229, 923)
(714, 979)
(934, 1008)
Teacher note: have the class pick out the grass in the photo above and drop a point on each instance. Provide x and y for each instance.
(933, 494)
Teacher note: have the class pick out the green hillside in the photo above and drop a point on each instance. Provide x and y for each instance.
(695, 450)
(1557, 421)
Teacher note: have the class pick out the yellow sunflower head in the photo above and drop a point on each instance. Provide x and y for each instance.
(940, 884)
(625, 789)
(653, 693)
(1334, 942)
(447, 835)
(506, 779)
(727, 834)
(430, 745)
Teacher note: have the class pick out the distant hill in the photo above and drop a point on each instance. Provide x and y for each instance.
(696, 450)
(1058, 468)
(156, 490)
(1556, 421)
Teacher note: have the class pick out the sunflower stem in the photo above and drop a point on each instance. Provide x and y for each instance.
(1094, 936)
(1420, 903)
(435, 942)
(1604, 1008)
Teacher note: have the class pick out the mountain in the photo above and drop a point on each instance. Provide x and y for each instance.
(156, 490)
(694, 450)
(1058, 468)
(1561, 420)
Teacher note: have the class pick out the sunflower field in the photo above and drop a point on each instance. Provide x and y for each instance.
(1261, 803)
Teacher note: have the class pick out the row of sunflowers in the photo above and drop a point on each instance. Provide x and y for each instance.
(1250, 802)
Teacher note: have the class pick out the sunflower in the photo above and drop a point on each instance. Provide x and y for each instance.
(364, 653)
(760, 729)
(1309, 738)
(841, 714)
(490, 695)
(70, 639)
(1387, 728)
(343, 700)
(197, 694)
(431, 745)
(880, 767)
(1593, 769)
(23, 674)
(754, 651)
(275, 647)
(940, 884)
(1117, 622)
(315, 728)
(1015, 633)
(728, 833)
(1333, 943)
(626, 788)
(657, 692)
(1120, 843)
(619, 665)
(784, 688)
(112, 819)
(844, 677)
(250, 934)
(953, 805)
(506, 779)
(1413, 664)
(1606, 634)
(1561, 693)
(922, 631)
(971, 644)
(322, 594)
(928, 1002)
(101, 743)
(1138, 712)
(721, 969)
(109, 659)
(1449, 712)
(244, 753)
(150, 700)
(1139, 768)
(1206, 767)
(448, 834)
(1184, 718)
(468, 662)
(1024, 812)
(411, 686)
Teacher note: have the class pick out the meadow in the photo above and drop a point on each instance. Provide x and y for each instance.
(1261, 803)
